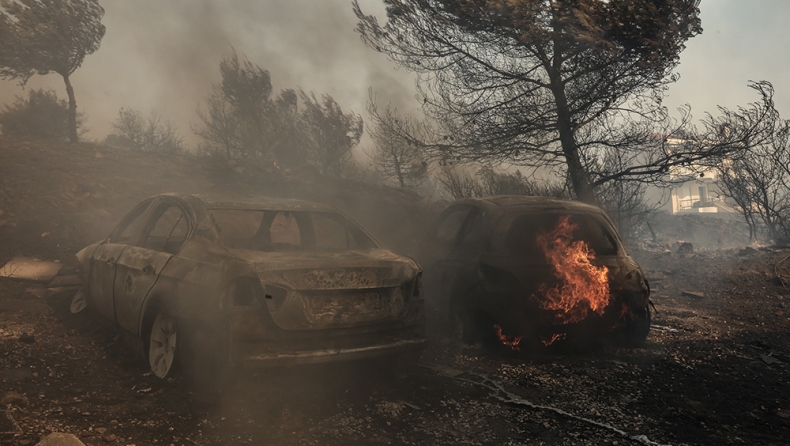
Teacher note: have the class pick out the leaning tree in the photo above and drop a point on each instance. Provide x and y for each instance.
(49, 36)
(541, 82)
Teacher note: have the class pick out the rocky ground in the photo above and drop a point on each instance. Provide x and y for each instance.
(714, 369)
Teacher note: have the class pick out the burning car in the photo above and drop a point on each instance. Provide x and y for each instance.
(516, 269)
(207, 284)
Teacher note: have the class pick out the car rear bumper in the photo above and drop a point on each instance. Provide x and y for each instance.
(275, 359)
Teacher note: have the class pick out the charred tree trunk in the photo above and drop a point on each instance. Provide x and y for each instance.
(72, 130)
(578, 175)
(579, 178)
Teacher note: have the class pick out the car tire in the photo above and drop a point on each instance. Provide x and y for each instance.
(463, 326)
(634, 333)
(163, 345)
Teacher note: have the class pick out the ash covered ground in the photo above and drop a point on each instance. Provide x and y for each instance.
(714, 369)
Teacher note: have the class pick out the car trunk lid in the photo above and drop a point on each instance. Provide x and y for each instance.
(322, 290)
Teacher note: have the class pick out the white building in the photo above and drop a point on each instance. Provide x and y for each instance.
(698, 193)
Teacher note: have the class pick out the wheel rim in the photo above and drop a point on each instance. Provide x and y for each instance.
(162, 348)
(79, 302)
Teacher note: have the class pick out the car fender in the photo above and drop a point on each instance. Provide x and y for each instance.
(190, 289)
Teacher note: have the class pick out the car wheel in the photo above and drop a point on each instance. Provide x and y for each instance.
(163, 345)
(636, 329)
(462, 325)
(79, 302)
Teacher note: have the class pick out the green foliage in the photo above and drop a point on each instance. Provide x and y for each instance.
(40, 115)
(330, 134)
(151, 134)
(240, 118)
(45, 36)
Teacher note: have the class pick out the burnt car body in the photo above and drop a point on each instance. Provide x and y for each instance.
(483, 267)
(209, 284)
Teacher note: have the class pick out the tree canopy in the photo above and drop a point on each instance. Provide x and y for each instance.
(537, 82)
(242, 118)
(49, 36)
(393, 154)
(330, 133)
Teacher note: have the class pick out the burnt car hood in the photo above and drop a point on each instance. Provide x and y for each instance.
(330, 270)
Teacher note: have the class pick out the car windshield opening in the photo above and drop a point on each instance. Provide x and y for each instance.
(524, 229)
(285, 230)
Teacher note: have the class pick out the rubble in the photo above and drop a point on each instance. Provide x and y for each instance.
(26, 268)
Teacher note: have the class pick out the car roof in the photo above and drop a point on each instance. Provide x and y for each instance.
(258, 203)
(524, 203)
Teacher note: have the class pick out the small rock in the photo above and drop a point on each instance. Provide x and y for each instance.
(101, 430)
(109, 438)
(768, 359)
(685, 248)
(450, 372)
(59, 439)
(694, 294)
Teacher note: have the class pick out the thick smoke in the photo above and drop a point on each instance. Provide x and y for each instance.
(164, 56)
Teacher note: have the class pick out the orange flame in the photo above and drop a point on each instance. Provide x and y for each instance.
(511, 341)
(555, 337)
(583, 287)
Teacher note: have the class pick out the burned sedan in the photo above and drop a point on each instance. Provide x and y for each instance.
(209, 284)
(529, 270)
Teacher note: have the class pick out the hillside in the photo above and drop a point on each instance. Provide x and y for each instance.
(57, 197)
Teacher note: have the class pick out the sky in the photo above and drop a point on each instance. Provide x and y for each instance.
(164, 56)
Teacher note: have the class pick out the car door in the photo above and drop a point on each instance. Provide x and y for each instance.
(103, 260)
(139, 266)
(440, 260)
(459, 266)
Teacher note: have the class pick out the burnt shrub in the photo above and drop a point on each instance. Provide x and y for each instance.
(133, 131)
(40, 115)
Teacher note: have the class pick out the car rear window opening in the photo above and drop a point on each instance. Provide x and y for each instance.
(275, 230)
